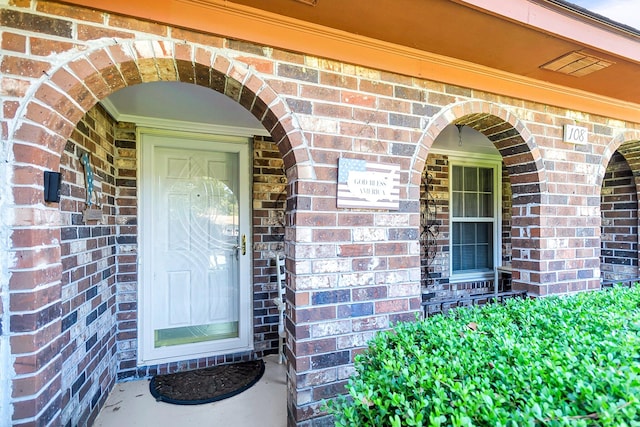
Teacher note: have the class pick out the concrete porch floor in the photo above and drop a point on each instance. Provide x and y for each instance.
(265, 404)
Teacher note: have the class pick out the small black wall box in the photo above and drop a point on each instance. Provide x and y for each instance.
(51, 186)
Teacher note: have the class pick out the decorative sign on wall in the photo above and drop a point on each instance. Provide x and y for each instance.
(575, 134)
(91, 213)
(362, 184)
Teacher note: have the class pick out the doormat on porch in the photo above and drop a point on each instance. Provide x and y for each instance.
(206, 385)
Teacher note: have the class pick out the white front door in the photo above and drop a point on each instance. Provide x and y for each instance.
(195, 261)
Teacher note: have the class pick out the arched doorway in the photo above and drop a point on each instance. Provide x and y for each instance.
(78, 271)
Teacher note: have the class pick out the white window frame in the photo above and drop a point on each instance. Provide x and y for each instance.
(482, 162)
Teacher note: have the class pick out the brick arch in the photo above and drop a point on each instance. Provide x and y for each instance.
(50, 114)
(44, 121)
(509, 135)
(527, 176)
(626, 143)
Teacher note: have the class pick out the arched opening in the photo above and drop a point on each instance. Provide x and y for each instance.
(473, 242)
(82, 314)
(619, 222)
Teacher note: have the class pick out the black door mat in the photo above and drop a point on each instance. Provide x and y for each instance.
(206, 385)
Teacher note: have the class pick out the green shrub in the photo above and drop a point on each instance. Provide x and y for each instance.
(558, 361)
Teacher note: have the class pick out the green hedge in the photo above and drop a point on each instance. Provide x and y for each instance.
(557, 361)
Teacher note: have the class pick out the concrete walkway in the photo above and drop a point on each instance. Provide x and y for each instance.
(265, 404)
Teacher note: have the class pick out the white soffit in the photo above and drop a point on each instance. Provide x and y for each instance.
(182, 106)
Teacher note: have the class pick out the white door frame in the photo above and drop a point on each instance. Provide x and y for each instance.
(148, 139)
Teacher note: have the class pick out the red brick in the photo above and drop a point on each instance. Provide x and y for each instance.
(136, 24)
(14, 42)
(377, 88)
(331, 110)
(23, 66)
(316, 314)
(26, 386)
(403, 262)
(355, 220)
(198, 38)
(261, 65)
(355, 250)
(338, 80)
(32, 408)
(49, 118)
(331, 235)
(45, 47)
(34, 343)
(131, 73)
(318, 346)
(360, 130)
(28, 258)
(33, 237)
(59, 102)
(32, 22)
(69, 11)
(9, 109)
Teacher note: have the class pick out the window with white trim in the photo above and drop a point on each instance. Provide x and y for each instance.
(475, 212)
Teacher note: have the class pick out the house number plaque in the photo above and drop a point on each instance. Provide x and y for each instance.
(575, 134)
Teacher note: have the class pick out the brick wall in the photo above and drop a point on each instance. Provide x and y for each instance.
(89, 271)
(125, 146)
(619, 210)
(506, 217)
(269, 204)
(351, 272)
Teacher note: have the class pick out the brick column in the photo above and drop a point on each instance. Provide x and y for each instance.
(352, 274)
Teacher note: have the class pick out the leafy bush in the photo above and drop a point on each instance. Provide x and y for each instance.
(558, 361)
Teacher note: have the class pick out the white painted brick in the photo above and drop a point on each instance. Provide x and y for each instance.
(305, 283)
(369, 234)
(392, 277)
(331, 265)
(404, 290)
(330, 328)
(356, 279)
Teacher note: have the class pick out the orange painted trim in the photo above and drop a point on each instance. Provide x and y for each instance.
(244, 23)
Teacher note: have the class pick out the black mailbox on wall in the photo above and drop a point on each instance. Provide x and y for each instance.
(51, 186)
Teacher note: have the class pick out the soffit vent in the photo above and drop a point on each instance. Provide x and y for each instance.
(577, 64)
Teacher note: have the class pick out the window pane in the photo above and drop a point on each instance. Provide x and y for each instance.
(468, 232)
(486, 180)
(470, 179)
(456, 205)
(483, 232)
(470, 205)
(472, 246)
(455, 260)
(456, 178)
(484, 257)
(468, 257)
(455, 233)
(486, 206)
